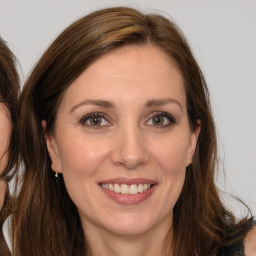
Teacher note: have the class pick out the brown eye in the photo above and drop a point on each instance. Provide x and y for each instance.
(158, 120)
(95, 121)
(161, 119)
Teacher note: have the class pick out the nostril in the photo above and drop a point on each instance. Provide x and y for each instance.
(129, 149)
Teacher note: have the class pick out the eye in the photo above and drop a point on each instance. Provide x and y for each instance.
(161, 119)
(94, 120)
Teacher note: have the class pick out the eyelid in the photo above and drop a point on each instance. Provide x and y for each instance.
(85, 118)
(94, 114)
(170, 117)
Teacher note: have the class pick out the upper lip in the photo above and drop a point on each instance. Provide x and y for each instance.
(128, 181)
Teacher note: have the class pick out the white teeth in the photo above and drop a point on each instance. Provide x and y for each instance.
(117, 188)
(133, 190)
(140, 188)
(125, 189)
(111, 188)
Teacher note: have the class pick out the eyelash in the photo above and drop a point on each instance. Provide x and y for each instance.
(170, 119)
(86, 118)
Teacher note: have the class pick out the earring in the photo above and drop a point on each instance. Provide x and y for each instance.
(56, 175)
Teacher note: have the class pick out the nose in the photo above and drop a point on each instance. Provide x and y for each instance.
(130, 149)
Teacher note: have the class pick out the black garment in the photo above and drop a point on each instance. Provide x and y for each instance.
(237, 249)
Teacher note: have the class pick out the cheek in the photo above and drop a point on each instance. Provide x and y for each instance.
(81, 156)
(172, 153)
(172, 157)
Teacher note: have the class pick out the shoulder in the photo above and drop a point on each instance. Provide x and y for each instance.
(250, 242)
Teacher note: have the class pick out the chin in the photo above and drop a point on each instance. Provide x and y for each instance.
(130, 225)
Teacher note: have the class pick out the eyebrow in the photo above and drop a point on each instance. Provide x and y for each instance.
(100, 103)
(107, 104)
(161, 102)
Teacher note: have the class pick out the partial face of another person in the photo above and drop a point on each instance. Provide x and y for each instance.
(5, 133)
(122, 141)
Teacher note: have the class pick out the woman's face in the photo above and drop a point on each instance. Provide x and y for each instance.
(122, 141)
(5, 133)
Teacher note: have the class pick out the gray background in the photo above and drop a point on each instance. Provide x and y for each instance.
(222, 35)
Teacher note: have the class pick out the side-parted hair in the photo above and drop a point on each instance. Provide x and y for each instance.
(9, 90)
(46, 221)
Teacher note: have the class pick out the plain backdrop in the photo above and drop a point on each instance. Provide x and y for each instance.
(222, 34)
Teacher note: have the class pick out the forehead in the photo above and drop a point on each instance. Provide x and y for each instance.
(131, 57)
(137, 71)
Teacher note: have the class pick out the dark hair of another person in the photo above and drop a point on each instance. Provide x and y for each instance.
(46, 221)
(9, 90)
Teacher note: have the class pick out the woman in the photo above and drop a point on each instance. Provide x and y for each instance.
(119, 146)
(9, 87)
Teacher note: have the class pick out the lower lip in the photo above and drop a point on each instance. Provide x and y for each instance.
(129, 199)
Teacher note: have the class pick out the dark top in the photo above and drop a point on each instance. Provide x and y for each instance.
(237, 249)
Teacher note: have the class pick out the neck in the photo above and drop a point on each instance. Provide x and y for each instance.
(102, 242)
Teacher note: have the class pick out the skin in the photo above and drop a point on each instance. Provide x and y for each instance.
(250, 243)
(126, 144)
(5, 131)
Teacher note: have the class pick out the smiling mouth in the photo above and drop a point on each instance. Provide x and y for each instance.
(125, 189)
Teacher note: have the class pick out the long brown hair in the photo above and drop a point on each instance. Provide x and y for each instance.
(46, 221)
(9, 89)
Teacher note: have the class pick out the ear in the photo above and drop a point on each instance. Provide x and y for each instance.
(193, 142)
(52, 149)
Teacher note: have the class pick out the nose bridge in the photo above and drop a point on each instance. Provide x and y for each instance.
(130, 148)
